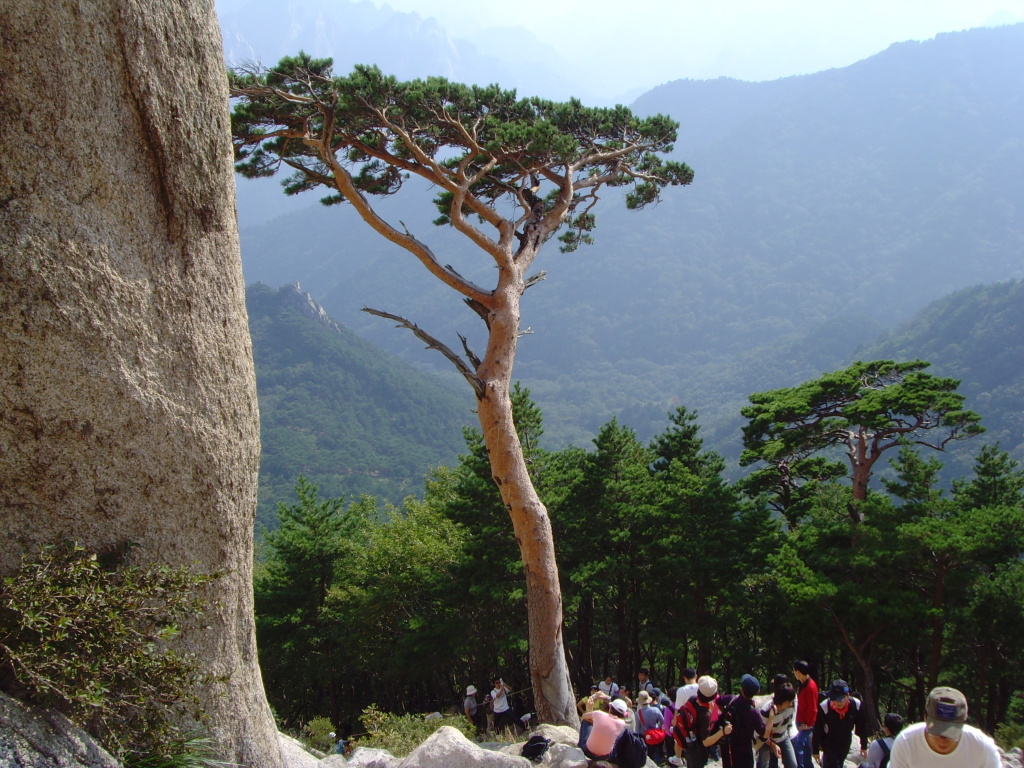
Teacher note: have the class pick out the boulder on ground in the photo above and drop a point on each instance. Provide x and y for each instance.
(447, 747)
(564, 756)
(368, 757)
(31, 737)
(294, 755)
(559, 734)
(335, 761)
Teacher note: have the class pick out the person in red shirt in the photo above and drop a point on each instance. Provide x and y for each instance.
(806, 713)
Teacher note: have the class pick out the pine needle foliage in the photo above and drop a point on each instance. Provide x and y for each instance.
(479, 144)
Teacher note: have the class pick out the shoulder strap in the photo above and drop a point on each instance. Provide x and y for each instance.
(886, 753)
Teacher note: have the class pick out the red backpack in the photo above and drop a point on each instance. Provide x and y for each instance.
(684, 724)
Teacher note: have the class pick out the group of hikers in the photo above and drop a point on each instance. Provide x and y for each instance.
(494, 713)
(792, 724)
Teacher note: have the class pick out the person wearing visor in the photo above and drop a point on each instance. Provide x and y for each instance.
(944, 738)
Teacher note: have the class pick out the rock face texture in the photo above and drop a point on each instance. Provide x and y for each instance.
(34, 738)
(128, 408)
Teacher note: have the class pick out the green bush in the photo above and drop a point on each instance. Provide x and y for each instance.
(401, 734)
(317, 734)
(1010, 735)
(93, 642)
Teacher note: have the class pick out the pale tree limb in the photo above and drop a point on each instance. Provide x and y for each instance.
(345, 185)
(468, 373)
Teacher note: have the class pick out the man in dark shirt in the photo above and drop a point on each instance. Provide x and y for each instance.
(738, 751)
(839, 717)
(708, 727)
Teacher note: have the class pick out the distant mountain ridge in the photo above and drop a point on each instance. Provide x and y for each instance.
(975, 335)
(826, 208)
(316, 427)
(404, 44)
(336, 409)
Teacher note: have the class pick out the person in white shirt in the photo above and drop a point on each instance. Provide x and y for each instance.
(504, 716)
(881, 749)
(944, 740)
(608, 687)
(688, 689)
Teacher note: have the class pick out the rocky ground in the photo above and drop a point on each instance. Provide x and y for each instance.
(34, 738)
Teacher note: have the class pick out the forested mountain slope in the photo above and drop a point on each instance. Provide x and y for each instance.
(354, 420)
(977, 336)
(336, 409)
(825, 208)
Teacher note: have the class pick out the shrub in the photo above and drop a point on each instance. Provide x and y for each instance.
(317, 734)
(93, 643)
(1010, 735)
(401, 734)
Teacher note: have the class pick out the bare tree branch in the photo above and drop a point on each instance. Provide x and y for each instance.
(432, 343)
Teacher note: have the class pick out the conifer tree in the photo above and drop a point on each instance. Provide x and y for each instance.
(509, 174)
(864, 410)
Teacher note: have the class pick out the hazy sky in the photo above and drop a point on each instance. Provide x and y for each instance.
(746, 39)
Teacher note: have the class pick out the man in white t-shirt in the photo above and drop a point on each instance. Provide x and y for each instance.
(608, 687)
(504, 717)
(943, 739)
(688, 689)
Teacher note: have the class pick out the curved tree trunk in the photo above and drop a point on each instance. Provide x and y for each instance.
(549, 672)
(585, 632)
(127, 397)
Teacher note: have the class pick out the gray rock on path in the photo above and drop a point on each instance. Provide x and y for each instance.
(294, 755)
(31, 737)
(447, 747)
(558, 734)
(367, 757)
(564, 756)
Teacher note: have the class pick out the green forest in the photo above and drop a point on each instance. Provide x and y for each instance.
(335, 409)
(354, 420)
(664, 563)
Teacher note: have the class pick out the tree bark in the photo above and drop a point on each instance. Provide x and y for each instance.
(863, 654)
(585, 632)
(128, 410)
(700, 612)
(549, 672)
(870, 693)
(938, 622)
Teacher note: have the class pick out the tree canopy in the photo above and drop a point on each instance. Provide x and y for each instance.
(865, 409)
(369, 132)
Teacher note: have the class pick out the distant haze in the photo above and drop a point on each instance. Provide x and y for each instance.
(618, 50)
(745, 39)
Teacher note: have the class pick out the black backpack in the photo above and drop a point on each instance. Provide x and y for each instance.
(535, 748)
(886, 753)
(630, 750)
